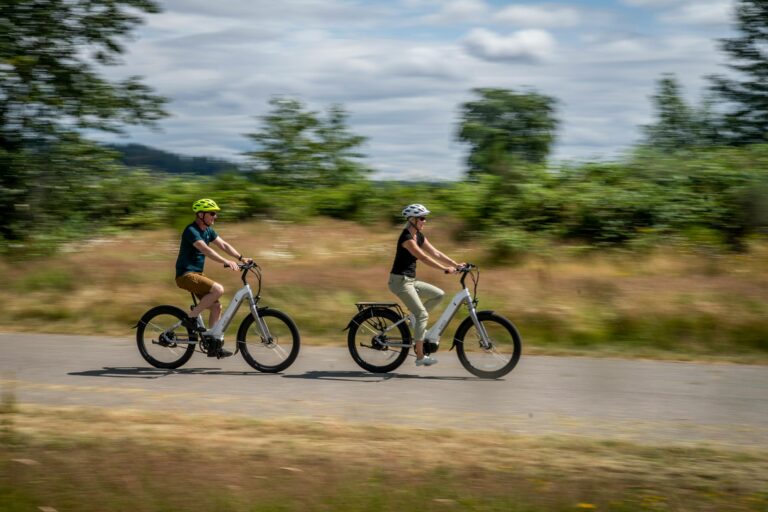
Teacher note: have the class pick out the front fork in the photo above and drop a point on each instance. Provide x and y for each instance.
(485, 340)
(265, 335)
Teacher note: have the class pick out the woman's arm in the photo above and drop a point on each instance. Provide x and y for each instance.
(420, 255)
(439, 256)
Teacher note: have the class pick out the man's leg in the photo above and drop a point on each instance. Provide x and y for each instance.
(207, 290)
(210, 300)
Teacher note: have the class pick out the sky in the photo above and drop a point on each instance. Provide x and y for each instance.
(402, 68)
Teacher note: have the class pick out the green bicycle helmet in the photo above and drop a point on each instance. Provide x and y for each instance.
(205, 205)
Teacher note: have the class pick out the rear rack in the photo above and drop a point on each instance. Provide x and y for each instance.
(362, 306)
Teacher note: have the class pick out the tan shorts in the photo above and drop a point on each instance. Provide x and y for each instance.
(196, 283)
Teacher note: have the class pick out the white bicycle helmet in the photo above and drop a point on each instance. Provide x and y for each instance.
(415, 210)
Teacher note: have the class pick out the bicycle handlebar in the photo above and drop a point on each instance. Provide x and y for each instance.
(243, 266)
(466, 268)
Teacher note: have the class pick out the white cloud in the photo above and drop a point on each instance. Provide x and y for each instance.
(654, 3)
(458, 11)
(701, 13)
(690, 12)
(539, 16)
(402, 79)
(526, 45)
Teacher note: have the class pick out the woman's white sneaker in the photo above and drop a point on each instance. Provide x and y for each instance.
(426, 361)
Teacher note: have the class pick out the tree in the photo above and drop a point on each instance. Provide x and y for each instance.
(746, 121)
(296, 147)
(339, 148)
(49, 84)
(678, 125)
(50, 88)
(504, 127)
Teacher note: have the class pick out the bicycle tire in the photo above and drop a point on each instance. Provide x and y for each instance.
(157, 321)
(363, 347)
(493, 363)
(274, 355)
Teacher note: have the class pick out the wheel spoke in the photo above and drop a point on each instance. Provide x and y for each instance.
(497, 359)
(159, 345)
(369, 338)
(266, 355)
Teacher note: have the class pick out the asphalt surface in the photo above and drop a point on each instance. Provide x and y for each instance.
(635, 400)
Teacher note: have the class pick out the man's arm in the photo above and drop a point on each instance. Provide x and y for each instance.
(227, 247)
(203, 248)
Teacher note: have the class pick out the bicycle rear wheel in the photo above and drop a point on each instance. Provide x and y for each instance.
(496, 360)
(269, 354)
(368, 335)
(159, 343)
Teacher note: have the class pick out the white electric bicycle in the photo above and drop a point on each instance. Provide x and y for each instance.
(487, 344)
(267, 338)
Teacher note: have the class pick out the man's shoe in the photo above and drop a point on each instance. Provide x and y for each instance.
(212, 344)
(222, 353)
(426, 361)
(215, 350)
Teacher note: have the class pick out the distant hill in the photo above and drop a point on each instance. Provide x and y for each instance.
(137, 155)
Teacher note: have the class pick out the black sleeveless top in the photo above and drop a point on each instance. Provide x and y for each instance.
(405, 262)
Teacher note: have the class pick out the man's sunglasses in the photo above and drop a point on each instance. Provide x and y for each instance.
(212, 214)
(421, 218)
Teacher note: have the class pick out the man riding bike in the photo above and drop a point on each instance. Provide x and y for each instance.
(195, 246)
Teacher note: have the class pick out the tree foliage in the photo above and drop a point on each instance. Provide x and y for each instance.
(678, 125)
(297, 147)
(746, 97)
(49, 82)
(50, 88)
(504, 127)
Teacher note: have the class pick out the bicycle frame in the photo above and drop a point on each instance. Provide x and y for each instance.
(433, 333)
(218, 329)
(221, 325)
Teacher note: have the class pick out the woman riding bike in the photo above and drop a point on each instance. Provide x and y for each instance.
(418, 296)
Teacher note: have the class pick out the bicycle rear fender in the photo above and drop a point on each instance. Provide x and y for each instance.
(369, 307)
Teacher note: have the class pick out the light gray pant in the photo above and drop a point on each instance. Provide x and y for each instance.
(412, 293)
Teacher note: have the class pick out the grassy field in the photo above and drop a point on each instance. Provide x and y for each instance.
(677, 304)
(92, 460)
(691, 305)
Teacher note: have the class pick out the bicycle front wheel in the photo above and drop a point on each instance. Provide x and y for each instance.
(271, 351)
(162, 340)
(371, 336)
(496, 359)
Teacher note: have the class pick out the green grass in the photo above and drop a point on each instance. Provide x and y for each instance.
(669, 303)
(91, 460)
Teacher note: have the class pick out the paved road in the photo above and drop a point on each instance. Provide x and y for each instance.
(647, 401)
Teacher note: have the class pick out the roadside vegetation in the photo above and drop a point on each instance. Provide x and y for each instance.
(93, 460)
(661, 253)
(666, 302)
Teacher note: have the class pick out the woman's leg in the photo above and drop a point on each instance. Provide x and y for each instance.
(405, 289)
(430, 295)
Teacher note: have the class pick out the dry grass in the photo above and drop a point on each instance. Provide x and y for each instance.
(658, 304)
(88, 459)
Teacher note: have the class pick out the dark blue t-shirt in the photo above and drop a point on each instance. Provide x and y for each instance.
(190, 258)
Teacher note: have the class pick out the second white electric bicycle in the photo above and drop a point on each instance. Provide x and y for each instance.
(268, 339)
(487, 344)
